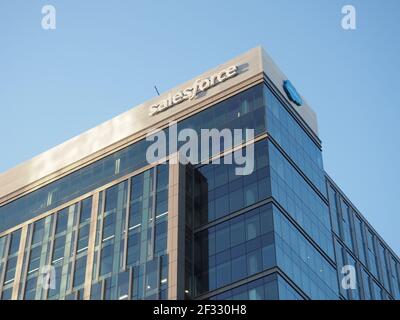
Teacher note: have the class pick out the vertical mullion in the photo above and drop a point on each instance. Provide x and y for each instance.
(20, 260)
(190, 285)
(130, 287)
(75, 245)
(103, 203)
(6, 251)
(153, 213)
(128, 201)
(51, 247)
(159, 267)
(103, 290)
(28, 256)
(91, 247)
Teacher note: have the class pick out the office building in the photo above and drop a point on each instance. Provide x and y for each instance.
(93, 219)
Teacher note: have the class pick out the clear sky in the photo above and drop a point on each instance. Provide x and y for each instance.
(104, 57)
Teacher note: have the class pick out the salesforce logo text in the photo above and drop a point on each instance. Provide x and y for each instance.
(198, 86)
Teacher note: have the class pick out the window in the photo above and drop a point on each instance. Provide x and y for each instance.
(394, 277)
(106, 262)
(62, 221)
(6, 294)
(333, 209)
(10, 269)
(246, 110)
(14, 245)
(372, 260)
(377, 291)
(109, 225)
(123, 286)
(30, 289)
(86, 210)
(285, 130)
(96, 291)
(133, 247)
(161, 235)
(355, 293)
(80, 269)
(346, 224)
(34, 259)
(3, 241)
(83, 237)
(151, 277)
(384, 276)
(366, 285)
(220, 192)
(358, 226)
(298, 198)
(244, 246)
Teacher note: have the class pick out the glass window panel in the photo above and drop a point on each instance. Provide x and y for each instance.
(10, 271)
(133, 247)
(95, 292)
(14, 245)
(6, 294)
(252, 227)
(366, 286)
(106, 261)
(80, 270)
(123, 286)
(62, 221)
(152, 275)
(30, 289)
(86, 210)
(83, 239)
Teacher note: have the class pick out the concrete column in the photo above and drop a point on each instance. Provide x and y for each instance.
(18, 270)
(91, 247)
(176, 230)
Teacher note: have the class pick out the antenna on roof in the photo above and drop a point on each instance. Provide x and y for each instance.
(155, 87)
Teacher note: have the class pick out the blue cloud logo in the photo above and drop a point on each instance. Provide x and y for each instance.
(292, 93)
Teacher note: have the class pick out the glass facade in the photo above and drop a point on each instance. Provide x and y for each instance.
(358, 246)
(272, 287)
(286, 231)
(131, 245)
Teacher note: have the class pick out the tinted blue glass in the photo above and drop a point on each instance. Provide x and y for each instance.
(271, 287)
(6, 294)
(30, 289)
(294, 140)
(133, 247)
(297, 197)
(377, 291)
(244, 110)
(80, 269)
(355, 293)
(302, 262)
(62, 221)
(333, 209)
(14, 245)
(358, 226)
(228, 192)
(395, 278)
(234, 250)
(366, 286)
(384, 276)
(346, 225)
(244, 246)
(372, 260)
(340, 263)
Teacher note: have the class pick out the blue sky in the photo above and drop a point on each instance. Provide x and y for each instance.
(105, 57)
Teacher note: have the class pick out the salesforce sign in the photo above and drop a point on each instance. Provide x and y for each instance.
(191, 92)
